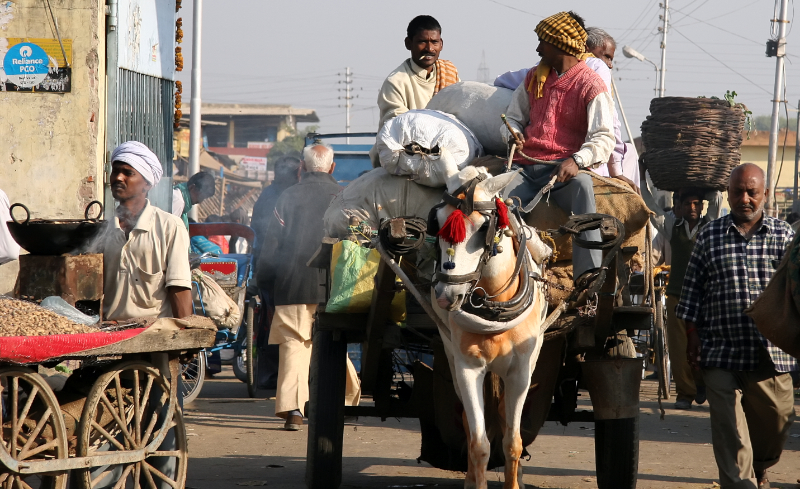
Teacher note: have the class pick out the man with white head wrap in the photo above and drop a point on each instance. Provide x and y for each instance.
(145, 254)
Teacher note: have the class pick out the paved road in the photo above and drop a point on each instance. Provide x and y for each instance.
(238, 442)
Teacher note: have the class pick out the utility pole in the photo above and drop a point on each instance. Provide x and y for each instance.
(621, 110)
(663, 29)
(483, 70)
(776, 48)
(348, 82)
(195, 129)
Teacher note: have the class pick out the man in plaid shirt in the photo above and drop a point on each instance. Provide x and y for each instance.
(748, 385)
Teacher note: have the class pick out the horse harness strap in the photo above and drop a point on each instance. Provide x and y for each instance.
(482, 305)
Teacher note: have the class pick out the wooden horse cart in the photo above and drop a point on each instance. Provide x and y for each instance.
(115, 423)
(588, 349)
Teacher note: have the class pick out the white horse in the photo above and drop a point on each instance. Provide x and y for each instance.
(493, 308)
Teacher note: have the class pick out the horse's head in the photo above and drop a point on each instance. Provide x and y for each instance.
(473, 235)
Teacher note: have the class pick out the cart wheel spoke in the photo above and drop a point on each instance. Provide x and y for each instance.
(35, 433)
(159, 474)
(107, 435)
(41, 448)
(137, 415)
(14, 400)
(125, 473)
(150, 481)
(137, 475)
(121, 424)
(27, 407)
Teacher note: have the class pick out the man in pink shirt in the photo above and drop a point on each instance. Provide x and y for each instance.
(563, 114)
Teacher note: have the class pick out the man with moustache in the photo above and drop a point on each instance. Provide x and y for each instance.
(146, 252)
(414, 83)
(747, 378)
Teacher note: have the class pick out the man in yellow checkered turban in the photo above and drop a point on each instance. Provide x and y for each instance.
(561, 120)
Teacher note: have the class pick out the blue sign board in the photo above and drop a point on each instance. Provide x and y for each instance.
(26, 64)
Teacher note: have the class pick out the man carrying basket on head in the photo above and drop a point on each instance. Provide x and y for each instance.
(562, 114)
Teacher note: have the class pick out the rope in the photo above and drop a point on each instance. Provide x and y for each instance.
(415, 227)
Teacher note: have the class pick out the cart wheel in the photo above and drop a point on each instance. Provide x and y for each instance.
(326, 411)
(32, 428)
(193, 374)
(129, 408)
(249, 350)
(616, 451)
(662, 351)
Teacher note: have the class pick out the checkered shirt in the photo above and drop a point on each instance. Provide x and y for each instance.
(726, 274)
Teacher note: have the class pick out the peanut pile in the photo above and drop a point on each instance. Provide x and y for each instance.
(21, 318)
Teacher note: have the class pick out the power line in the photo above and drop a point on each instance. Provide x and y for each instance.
(720, 28)
(719, 60)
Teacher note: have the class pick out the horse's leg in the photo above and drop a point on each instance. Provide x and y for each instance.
(470, 381)
(517, 381)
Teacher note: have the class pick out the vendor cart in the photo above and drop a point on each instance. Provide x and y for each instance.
(588, 349)
(116, 422)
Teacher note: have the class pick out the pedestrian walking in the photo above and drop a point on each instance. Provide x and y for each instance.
(294, 234)
(747, 378)
(678, 230)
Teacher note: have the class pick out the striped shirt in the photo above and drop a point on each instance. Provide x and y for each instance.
(726, 274)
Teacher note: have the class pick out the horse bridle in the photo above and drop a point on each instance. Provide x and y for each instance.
(483, 305)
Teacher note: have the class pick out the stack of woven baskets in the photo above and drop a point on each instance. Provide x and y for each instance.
(692, 142)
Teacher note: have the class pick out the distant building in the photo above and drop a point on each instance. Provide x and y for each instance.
(250, 123)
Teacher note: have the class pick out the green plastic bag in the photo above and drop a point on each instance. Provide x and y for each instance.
(353, 270)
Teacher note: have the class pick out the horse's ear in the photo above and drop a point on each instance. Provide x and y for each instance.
(494, 185)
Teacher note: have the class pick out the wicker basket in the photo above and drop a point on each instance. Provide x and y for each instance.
(692, 142)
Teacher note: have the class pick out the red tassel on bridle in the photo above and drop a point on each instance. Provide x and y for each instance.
(502, 214)
(455, 229)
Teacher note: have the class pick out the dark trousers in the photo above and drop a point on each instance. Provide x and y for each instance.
(575, 196)
(268, 355)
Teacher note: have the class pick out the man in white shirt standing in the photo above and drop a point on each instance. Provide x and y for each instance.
(146, 251)
(414, 83)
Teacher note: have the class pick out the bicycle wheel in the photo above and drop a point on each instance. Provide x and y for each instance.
(193, 374)
(250, 359)
(661, 349)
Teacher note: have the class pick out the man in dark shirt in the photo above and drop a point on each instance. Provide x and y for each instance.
(294, 233)
(747, 378)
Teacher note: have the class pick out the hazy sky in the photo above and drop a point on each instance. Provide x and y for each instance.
(282, 52)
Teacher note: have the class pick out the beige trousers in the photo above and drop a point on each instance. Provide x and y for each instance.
(686, 378)
(292, 329)
(751, 413)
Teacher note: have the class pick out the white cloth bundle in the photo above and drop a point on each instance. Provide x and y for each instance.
(479, 107)
(430, 130)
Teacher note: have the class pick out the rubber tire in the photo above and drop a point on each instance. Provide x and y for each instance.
(616, 451)
(199, 362)
(326, 411)
(239, 364)
(251, 362)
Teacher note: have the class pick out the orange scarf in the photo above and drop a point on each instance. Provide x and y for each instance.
(446, 75)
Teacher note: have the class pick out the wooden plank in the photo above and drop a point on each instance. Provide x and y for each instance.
(147, 342)
(379, 312)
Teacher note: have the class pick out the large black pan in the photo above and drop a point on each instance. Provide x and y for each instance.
(56, 237)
